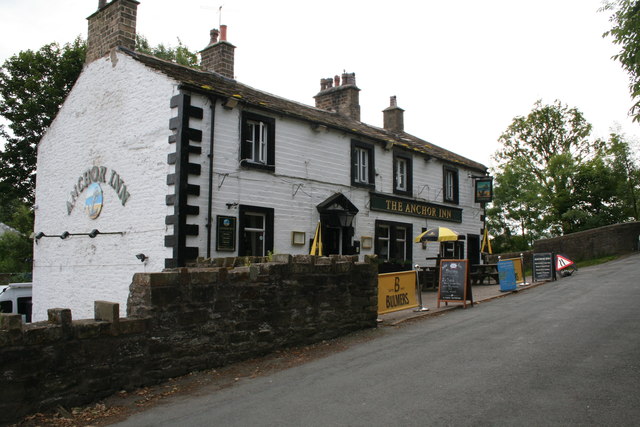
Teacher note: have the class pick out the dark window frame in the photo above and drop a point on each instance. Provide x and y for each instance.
(269, 215)
(455, 198)
(371, 172)
(409, 178)
(246, 152)
(393, 233)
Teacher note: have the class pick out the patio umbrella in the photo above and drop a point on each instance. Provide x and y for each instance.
(438, 234)
(316, 246)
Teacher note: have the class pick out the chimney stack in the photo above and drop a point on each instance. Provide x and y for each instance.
(393, 117)
(342, 98)
(219, 55)
(113, 25)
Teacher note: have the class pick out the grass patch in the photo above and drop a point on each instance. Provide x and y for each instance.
(596, 261)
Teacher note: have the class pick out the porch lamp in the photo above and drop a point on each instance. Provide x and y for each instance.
(345, 218)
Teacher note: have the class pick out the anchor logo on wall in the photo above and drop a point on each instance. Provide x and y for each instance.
(93, 202)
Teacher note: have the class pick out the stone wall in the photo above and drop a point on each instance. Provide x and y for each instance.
(617, 239)
(180, 321)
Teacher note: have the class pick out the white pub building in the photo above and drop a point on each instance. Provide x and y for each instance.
(149, 165)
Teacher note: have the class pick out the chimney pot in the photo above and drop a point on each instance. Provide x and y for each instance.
(102, 3)
(218, 56)
(342, 99)
(214, 36)
(393, 117)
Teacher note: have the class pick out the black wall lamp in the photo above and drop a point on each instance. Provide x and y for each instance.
(142, 257)
(93, 233)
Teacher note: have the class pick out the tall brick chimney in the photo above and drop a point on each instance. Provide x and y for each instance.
(342, 98)
(393, 117)
(219, 55)
(114, 24)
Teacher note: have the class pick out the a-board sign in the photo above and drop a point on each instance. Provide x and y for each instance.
(454, 281)
(507, 274)
(519, 269)
(543, 267)
(397, 291)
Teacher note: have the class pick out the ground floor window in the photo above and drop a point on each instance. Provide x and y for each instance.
(256, 231)
(452, 250)
(393, 241)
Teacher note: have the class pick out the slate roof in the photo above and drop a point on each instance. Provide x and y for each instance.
(216, 84)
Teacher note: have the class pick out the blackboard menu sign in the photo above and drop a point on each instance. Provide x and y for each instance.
(543, 267)
(453, 283)
(225, 233)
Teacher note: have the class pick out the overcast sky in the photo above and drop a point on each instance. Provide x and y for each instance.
(462, 70)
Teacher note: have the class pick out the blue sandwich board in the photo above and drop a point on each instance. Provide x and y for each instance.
(507, 274)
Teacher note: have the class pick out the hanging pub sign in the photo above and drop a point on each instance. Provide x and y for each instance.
(400, 205)
(91, 181)
(225, 233)
(483, 190)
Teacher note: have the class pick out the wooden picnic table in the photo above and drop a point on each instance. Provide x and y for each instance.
(484, 272)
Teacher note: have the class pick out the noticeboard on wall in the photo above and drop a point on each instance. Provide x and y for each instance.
(226, 233)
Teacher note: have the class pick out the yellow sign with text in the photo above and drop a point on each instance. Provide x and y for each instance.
(397, 291)
(518, 268)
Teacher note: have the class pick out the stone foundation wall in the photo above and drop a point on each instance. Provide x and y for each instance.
(615, 239)
(180, 321)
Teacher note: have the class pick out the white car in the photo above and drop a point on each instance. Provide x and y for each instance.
(15, 298)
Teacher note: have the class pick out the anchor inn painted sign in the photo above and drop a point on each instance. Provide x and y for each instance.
(92, 178)
(398, 205)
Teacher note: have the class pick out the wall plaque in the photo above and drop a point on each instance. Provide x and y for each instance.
(225, 233)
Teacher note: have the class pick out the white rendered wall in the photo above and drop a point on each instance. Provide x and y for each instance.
(310, 167)
(116, 116)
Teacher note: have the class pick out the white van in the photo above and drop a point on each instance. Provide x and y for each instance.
(15, 298)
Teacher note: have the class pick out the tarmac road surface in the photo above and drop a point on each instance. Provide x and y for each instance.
(565, 353)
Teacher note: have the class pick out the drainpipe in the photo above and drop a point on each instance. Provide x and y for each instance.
(213, 100)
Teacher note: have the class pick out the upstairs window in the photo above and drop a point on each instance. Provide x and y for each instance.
(362, 165)
(258, 142)
(450, 184)
(402, 174)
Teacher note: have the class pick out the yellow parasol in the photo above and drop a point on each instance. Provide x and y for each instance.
(316, 246)
(438, 234)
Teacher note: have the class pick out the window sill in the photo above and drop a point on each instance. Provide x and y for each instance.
(363, 185)
(245, 163)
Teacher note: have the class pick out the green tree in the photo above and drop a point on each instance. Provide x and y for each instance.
(33, 86)
(15, 253)
(179, 54)
(536, 167)
(625, 17)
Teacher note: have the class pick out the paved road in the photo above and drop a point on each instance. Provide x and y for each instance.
(566, 353)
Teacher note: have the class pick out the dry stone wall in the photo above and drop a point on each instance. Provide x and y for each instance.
(179, 321)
